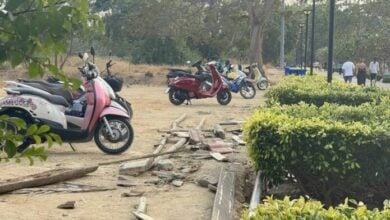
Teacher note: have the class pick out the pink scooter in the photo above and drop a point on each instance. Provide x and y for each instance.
(104, 121)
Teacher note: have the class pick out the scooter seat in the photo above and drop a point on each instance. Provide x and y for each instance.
(55, 89)
(55, 99)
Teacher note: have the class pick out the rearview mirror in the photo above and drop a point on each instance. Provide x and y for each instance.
(92, 51)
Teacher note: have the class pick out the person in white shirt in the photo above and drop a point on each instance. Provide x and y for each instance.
(348, 70)
(374, 70)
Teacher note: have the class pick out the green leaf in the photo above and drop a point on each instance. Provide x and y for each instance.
(37, 139)
(56, 137)
(32, 129)
(49, 140)
(10, 148)
(43, 129)
(35, 69)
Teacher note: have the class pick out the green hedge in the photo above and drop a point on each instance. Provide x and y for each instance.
(333, 151)
(300, 209)
(315, 90)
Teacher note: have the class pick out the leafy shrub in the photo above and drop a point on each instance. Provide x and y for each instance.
(315, 90)
(13, 131)
(301, 209)
(333, 151)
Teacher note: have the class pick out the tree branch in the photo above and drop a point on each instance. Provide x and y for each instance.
(30, 9)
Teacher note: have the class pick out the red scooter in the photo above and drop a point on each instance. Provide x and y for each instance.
(189, 87)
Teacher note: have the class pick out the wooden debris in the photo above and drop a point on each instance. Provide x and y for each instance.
(141, 210)
(196, 136)
(218, 156)
(173, 148)
(65, 187)
(224, 197)
(231, 123)
(142, 216)
(219, 131)
(238, 140)
(67, 205)
(124, 182)
(178, 121)
(141, 157)
(132, 194)
(44, 178)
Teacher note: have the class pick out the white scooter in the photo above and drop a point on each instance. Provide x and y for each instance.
(100, 117)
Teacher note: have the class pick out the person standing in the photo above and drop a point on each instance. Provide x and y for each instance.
(361, 73)
(348, 69)
(374, 71)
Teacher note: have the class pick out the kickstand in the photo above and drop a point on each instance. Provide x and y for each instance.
(188, 102)
(71, 146)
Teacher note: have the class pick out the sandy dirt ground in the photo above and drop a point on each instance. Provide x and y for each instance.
(152, 111)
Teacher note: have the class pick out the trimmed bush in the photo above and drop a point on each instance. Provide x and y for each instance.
(333, 151)
(315, 90)
(300, 209)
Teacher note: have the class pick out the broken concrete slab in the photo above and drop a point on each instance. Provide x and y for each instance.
(219, 131)
(67, 205)
(204, 181)
(164, 164)
(132, 193)
(218, 156)
(177, 183)
(134, 167)
(237, 139)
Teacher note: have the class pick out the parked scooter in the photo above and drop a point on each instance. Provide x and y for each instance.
(112, 85)
(201, 71)
(190, 87)
(260, 81)
(102, 119)
(240, 83)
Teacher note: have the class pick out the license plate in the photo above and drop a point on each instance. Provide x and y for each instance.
(167, 90)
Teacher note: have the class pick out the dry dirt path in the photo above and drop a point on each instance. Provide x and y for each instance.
(152, 111)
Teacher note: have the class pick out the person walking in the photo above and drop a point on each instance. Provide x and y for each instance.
(361, 73)
(374, 71)
(348, 69)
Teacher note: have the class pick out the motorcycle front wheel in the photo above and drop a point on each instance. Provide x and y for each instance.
(121, 138)
(247, 90)
(224, 97)
(262, 85)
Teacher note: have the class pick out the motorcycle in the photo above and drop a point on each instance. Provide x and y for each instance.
(200, 71)
(102, 118)
(240, 83)
(112, 84)
(189, 87)
(260, 81)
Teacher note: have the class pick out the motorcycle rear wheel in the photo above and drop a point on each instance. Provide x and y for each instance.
(18, 113)
(122, 133)
(224, 97)
(247, 90)
(174, 98)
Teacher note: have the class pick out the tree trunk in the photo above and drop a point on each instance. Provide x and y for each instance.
(259, 13)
